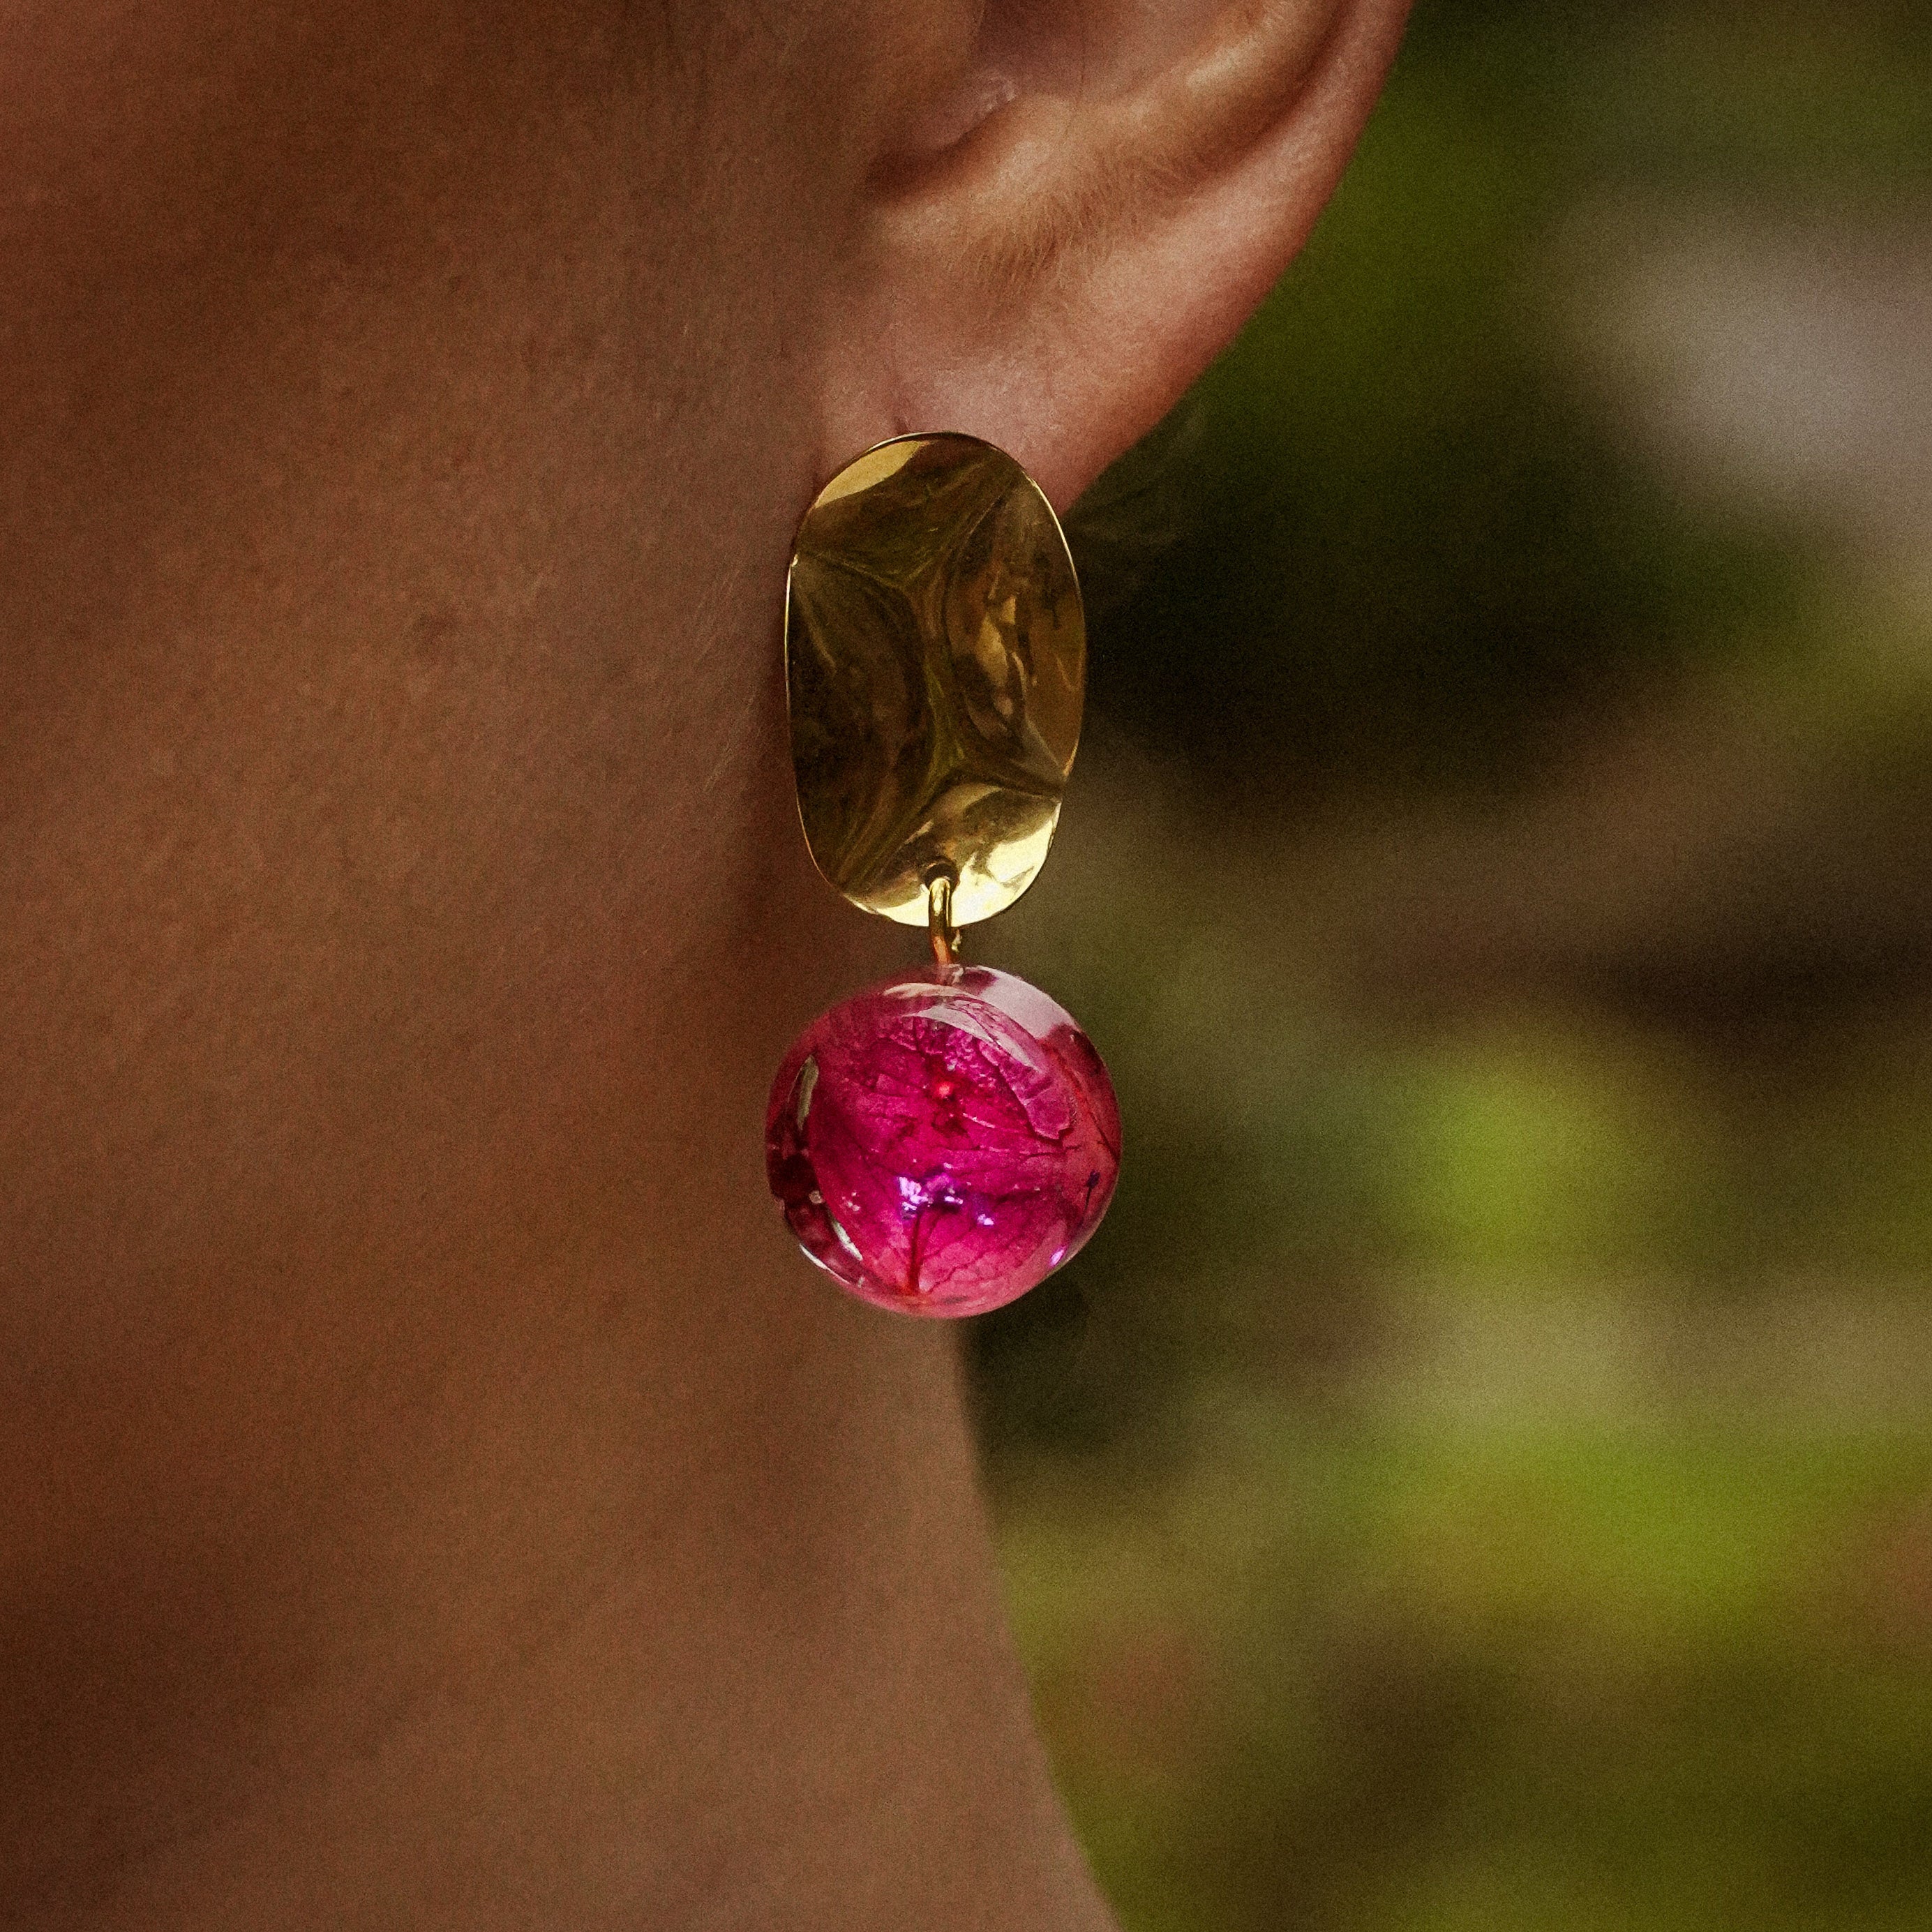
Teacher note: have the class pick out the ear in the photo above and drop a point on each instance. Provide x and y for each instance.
(1072, 205)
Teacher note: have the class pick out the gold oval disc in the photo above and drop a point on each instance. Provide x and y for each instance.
(935, 669)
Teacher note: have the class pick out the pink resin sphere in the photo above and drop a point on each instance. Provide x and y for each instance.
(944, 1141)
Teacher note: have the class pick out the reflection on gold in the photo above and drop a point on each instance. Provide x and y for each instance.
(936, 665)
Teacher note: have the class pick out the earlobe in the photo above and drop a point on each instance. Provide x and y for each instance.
(1061, 234)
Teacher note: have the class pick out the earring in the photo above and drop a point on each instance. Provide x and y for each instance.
(943, 1141)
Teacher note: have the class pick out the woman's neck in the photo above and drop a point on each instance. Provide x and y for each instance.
(438, 1494)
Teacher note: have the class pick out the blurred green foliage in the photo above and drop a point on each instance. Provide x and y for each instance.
(1423, 1678)
(1480, 1475)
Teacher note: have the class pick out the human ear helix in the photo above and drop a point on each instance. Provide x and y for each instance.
(941, 1142)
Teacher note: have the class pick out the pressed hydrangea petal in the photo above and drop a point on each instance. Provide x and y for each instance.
(942, 1142)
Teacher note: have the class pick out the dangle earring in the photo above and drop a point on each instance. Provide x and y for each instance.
(943, 1141)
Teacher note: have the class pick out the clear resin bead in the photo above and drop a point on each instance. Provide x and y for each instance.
(942, 1142)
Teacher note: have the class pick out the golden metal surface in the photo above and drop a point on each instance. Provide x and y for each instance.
(936, 667)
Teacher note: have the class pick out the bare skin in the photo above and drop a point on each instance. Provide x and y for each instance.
(435, 1494)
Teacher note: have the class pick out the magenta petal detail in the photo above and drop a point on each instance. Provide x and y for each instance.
(942, 1142)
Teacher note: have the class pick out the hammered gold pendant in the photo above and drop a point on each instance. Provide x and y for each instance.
(935, 668)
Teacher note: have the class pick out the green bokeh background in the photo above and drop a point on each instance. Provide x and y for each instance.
(1480, 1476)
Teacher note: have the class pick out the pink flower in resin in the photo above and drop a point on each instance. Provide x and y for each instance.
(944, 1141)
